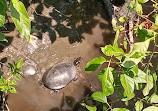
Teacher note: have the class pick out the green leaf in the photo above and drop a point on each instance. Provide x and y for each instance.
(154, 99)
(149, 85)
(94, 64)
(107, 82)
(2, 38)
(101, 73)
(1, 73)
(155, 79)
(114, 23)
(20, 18)
(125, 43)
(90, 108)
(144, 34)
(3, 7)
(128, 84)
(138, 106)
(118, 52)
(156, 19)
(120, 109)
(17, 76)
(105, 106)
(19, 63)
(141, 77)
(11, 67)
(135, 70)
(151, 108)
(138, 8)
(142, 1)
(12, 89)
(136, 55)
(99, 96)
(108, 50)
(12, 82)
(122, 19)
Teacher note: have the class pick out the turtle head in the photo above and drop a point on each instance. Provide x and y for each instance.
(77, 61)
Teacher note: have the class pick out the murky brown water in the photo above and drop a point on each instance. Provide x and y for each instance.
(59, 42)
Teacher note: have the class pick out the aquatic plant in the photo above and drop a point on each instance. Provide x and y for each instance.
(131, 72)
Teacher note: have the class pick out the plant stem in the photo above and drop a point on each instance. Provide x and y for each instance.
(110, 107)
(10, 77)
(150, 59)
(154, 2)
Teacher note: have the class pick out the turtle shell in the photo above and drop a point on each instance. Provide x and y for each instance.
(59, 76)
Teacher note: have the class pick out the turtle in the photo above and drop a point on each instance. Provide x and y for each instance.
(61, 75)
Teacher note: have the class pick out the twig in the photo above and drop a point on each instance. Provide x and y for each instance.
(151, 12)
(149, 59)
(7, 107)
(131, 34)
(154, 2)
(146, 18)
(110, 107)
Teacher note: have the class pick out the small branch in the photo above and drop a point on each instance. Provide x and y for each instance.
(110, 107)
(10, 77)
(145, 101)
(7, 107)
(146, 18)
(131, 34)
(154, 2)
(151, 12)
(149, 59)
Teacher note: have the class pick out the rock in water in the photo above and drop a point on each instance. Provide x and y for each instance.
(29, 67)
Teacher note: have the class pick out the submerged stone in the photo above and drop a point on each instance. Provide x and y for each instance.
(29, 67)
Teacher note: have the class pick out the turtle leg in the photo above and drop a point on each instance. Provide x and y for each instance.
(75, 78)
(56, 90)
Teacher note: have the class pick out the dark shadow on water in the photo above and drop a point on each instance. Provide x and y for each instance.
(71, 18)
(68, 103)
(54, 109)
(5, 44)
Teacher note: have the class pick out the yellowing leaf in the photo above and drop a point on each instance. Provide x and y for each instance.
(143, 1)
(20, 18)
(151, 108)
(149, 85)
(156, 19)
(154, 99)
(138, 8)
(128, 84)
(138, 106)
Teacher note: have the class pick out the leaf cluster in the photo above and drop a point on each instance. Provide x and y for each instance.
(7, 84)
(128, 76)
(19, 16)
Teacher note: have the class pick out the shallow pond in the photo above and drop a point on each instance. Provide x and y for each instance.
(63, 30)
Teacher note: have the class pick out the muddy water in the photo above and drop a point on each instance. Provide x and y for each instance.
(46, 52)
